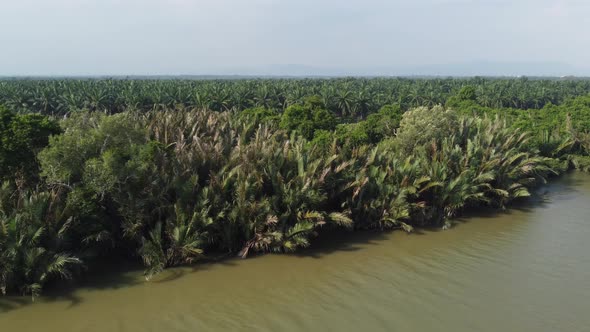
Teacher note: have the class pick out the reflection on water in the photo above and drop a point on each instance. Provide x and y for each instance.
(521, 270)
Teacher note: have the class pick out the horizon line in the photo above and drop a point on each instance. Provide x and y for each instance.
(25, 76)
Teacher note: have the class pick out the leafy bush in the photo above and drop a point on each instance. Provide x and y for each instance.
(352, 134)
(260, 114)
(168, 187)
(21, 138)
(306, 120)
(424, 125)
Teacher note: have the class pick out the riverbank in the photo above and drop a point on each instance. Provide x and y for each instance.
(520, 269)
(169, 188)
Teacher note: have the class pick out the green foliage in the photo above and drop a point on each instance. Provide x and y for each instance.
(467, 93)
(375, 128)
(306, 120)
(581, 163)
(322, 139)
(352, 134)
(92, 142)
(480, 162)
(260, 114)
(34, 242)
(168, 184)
(353, 98)
(21, 138)
(393, 112)
(556, 130)
(314, 102)
(384, 123)
(466, 97)
(425, 125)
(177, 242)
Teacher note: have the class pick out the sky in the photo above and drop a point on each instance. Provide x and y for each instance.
(191, 37)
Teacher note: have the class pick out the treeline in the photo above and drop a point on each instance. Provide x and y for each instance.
(346, 97)
(558, 131)
(173, 185)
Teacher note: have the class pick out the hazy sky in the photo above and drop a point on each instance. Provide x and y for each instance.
(73, 37)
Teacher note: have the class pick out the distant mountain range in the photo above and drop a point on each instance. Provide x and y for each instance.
(468, 69)
(553, 69)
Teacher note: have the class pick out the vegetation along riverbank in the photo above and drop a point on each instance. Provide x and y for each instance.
(167, 171)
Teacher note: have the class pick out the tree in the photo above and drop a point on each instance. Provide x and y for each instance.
(424, 125)
(306, 120)
(92, 142)
(259, 114)
(352, 134)
(34, 242)
(467, 93)
(21, 138)
(383, 123)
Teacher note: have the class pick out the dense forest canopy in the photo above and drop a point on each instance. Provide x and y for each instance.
(170, 171)
(347, 97)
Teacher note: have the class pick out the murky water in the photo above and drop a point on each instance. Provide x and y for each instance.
(524, 270)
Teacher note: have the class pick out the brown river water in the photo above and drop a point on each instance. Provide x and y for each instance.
(526, 269)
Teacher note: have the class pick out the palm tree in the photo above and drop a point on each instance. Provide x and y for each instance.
(33, 240)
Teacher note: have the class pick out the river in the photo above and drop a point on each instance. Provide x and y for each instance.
(526, 269)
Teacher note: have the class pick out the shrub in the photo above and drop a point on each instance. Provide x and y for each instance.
(424, 125)
(21, 138)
